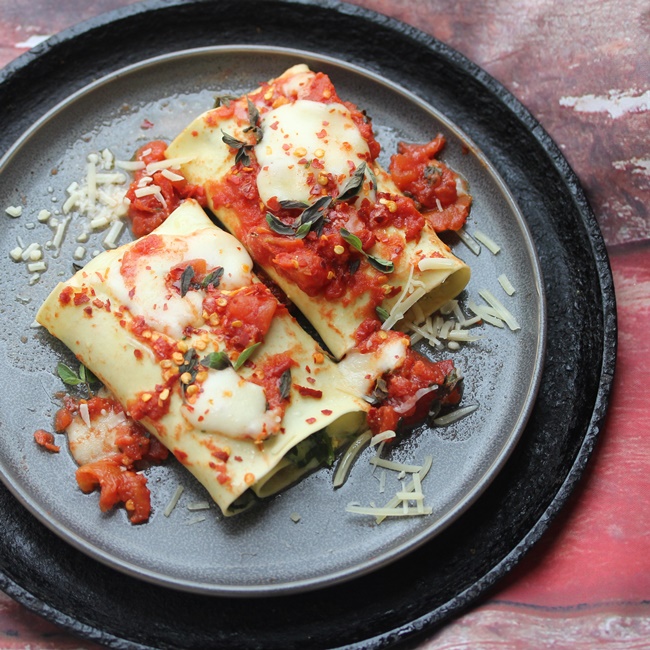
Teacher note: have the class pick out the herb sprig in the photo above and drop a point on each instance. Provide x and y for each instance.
(385, 266)
(71, 378)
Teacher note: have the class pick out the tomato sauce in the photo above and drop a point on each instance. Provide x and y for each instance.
(408, 399)
(117, 476)
(117, 485)
(269, 374)
(148, 212)
(418, 173)
(244, 316)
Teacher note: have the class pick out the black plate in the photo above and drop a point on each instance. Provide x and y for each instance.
(454, 569)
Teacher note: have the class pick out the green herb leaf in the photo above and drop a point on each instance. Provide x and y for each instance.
(242, 157)
(186, 279)
(224, 100)
(351, 239)
(303, 230)
(213, 278)
(294, 205)
(385, 266)
(68, 376)
(190, 363)
(231, 141)
(245, 355)
(278, 226)
(216, 360)
(354, 185)
(382, 313)
(253, 113)
(376, 262)
(285, 384)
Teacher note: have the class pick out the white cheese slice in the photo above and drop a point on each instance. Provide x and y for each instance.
(297, 134)
(219, 407)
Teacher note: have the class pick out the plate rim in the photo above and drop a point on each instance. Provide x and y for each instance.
(605, 285)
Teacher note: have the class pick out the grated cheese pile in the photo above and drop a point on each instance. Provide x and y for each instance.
(96, 203)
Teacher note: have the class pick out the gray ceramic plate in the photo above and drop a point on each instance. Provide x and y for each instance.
(263, 551)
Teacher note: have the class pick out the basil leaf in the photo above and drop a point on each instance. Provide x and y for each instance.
(67, 375)
(378, 263)
(278, 226)
(382, 313)
(186, 279)
(216, 361)
(353, 240)
(245, 355)
(285, 384)
(213, 278)
(354, 185)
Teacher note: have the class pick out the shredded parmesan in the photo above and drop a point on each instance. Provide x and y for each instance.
(471, 243)
(506, 284)
(173, 501)
(502, 312)
(456, 415)
(14, 211)
(487, 241)
(348, 458)
(380, 437)
(436, 264)
(199, 505)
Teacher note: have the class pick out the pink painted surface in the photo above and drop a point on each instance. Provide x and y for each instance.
(583, 69)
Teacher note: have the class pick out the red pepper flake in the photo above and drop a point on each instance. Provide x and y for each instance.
(88, 311)
(326, 412)
(274, 126)
(310, 420)
(181, 456)
(98, 303)
(308, 392)
(195, 134)
(146, 124)
(321, 134)
(46, 440)
(137, 354)
(132, 293)
(238, 459)
(80, 299)
(311, 380)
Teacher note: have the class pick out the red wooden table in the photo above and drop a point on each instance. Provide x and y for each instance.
(583, 70)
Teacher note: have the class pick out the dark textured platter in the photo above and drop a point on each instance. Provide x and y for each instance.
(454, 569)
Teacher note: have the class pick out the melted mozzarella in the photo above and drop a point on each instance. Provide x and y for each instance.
(232, 406)
(304, 131)
(97, 441)
(145, 292)
(361, 371)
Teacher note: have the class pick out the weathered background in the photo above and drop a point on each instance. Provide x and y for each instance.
(583, 70)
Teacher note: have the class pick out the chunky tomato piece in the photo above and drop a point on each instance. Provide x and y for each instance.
(244, 316)
(117, 485)
(46, 440)
(269, 376)
(148, 212)
(417, 172)
(411, 391)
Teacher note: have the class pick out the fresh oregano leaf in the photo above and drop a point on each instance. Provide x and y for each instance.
(216, 360)
(285, 384)
(278, 226)
(67, 375)
(245, 355)
(212, 279)
(382, 313)
(354, 185)
(186, 279)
